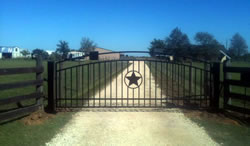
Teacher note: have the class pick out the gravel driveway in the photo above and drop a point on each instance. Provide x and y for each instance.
(131, 126)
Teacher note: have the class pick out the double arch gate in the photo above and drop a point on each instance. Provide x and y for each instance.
(132, 82)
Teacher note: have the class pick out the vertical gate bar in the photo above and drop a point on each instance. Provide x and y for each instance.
(149, 84)
(51, 86)
(110, 83)
(133, 89)
(116, 80)
(56, 80)
(205, 81)
(139, 86)
(172, 76)
(190, 82)
(77, 86)
(83, 85)
(71, 94)
(210, 85)
(99, 74)
(65, 88)
(178, 84)
(144, 84)
(200, 85)
(93, 84)
(156, 63)
(88, 84)
(161, 84)
(122, 82)
(127, 86)
(175, 72)
(60, 84)
(184, 73)
(195, 98)
(167, 81)
(105, 65)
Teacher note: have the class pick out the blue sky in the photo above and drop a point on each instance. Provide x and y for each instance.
(117, 24)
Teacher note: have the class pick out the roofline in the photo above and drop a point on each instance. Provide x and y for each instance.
(104, 49)
(225, 54)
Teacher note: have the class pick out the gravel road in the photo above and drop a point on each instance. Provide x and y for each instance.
(131, 126)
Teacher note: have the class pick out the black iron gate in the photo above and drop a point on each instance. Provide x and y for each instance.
(135, 82)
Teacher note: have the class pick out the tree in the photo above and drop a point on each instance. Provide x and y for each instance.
(204, 38)
(55, 56)
(63, 49)
(25, 53)
(157, 45)
(40, 52)
(238, 46)
(208, 47)
(177, 42)
(87, 45)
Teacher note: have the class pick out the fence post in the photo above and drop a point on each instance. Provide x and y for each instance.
(39, 88)
(215, 99)
(227, 88)
(51, 69)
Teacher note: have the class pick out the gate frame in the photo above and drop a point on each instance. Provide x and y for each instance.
(214, 70)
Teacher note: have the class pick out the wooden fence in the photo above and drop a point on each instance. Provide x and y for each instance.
(237, 101)
(38, 94)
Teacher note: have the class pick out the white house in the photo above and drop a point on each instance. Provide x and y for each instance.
(74, 54)
(10, 52)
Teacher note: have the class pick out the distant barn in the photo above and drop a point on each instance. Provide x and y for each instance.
(111, 56)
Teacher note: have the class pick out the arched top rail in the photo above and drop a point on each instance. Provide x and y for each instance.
(157, 54)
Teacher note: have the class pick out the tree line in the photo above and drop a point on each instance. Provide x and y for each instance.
(63, 49)
(206, 46)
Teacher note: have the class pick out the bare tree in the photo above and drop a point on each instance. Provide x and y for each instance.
(87, 45)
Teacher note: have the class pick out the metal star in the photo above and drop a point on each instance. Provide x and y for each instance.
(133, 79)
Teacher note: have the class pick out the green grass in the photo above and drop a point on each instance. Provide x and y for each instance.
(17, 133)
(223, 133)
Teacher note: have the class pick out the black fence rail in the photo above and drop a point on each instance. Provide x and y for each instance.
(20, 110)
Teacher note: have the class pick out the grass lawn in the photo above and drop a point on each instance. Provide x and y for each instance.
(18, 133)
(223, 132)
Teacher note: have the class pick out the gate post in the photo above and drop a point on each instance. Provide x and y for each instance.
(215, 99)
(51, 87)
(39, 88)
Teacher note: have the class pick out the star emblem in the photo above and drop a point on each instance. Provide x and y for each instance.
(133, 79)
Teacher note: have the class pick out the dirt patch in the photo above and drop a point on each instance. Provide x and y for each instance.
(37, 118)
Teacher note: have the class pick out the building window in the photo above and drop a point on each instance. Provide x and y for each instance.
(16, 49)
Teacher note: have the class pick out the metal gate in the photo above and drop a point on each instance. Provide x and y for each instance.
(132, 82)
